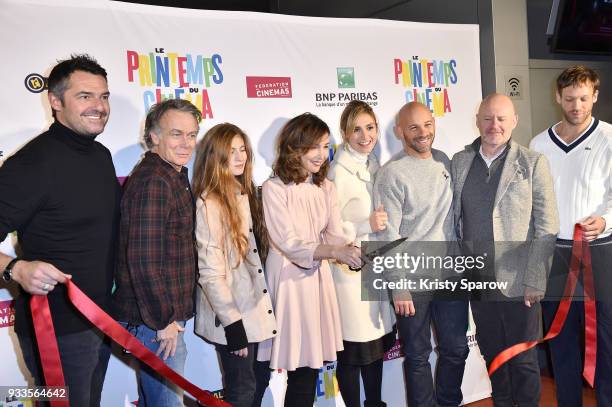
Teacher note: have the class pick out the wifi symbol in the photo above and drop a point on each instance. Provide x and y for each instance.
(514, 83)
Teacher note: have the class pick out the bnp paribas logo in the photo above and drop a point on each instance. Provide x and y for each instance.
(346, 77)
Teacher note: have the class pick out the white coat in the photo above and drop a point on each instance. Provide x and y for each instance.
(228, 293)
(362, 321)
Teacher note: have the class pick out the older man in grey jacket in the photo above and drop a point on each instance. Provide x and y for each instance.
(503, 194)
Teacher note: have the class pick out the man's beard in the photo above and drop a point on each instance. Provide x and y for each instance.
(576, 121)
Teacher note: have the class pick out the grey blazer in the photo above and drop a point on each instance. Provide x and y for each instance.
(525, 210)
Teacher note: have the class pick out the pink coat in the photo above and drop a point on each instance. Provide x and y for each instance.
(300, 217)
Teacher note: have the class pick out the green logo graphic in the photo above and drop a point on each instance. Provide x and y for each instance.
(346, 77)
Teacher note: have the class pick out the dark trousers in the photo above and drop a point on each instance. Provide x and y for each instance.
(450, 320)
(566, 348)
(499, 325)
(84, 356)
(348, 383)
(301, 387)
(245, 379)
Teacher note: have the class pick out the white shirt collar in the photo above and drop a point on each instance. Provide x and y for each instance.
(489, 160)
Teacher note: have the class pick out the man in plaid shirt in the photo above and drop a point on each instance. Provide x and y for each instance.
(157, 266)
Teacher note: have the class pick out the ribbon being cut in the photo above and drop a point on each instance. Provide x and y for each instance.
(581, 254)
(53, 373)
(49, 353)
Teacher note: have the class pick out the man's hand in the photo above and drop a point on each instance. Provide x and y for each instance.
(532, 296)
(378, 219)
(38, 277)
(404, 308)
(167, 339)
(593, 226)
(243, 353)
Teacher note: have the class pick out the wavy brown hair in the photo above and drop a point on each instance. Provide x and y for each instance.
(349, 116)
(213, 178)
(299, 135)
(576, 76)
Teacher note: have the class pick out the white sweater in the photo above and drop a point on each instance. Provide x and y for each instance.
(582, 174)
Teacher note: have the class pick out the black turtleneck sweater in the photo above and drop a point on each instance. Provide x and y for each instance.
(60, 193)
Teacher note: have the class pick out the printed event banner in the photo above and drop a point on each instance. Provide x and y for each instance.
(254, 70)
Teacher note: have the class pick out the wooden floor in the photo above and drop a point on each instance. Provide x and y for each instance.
(548, 396)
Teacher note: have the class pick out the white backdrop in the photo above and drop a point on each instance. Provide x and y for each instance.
(254, 70)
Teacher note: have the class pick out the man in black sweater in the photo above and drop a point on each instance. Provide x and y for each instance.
(61, 195)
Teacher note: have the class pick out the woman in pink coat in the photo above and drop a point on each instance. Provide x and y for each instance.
(305, 229)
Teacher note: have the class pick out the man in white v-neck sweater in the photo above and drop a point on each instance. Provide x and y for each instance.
(579, 149)
(581, 174)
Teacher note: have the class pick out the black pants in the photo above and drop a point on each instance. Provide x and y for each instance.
(84, 357)
(348, 382)
(566, 348)
(301, 387)
(499, 325)
(245, 379)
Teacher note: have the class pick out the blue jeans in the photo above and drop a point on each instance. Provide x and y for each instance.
(154, 391)
(84, 357)
(450, 319)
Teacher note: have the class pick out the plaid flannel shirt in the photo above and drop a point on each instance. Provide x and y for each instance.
(157, 266)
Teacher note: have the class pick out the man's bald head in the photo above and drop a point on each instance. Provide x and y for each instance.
(409, 109)
(498, 100)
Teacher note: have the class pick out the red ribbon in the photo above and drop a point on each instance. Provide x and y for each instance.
(47, 345)
(580, 253)
(49, 353)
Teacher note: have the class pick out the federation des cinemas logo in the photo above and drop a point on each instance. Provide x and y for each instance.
(268, 87)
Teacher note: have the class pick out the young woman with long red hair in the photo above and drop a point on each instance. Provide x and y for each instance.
(233, 307)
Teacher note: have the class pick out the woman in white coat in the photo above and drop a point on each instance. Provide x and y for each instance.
(367, 326)
(233, 307)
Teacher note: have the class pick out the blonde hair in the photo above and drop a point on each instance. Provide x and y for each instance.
(349, 117)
